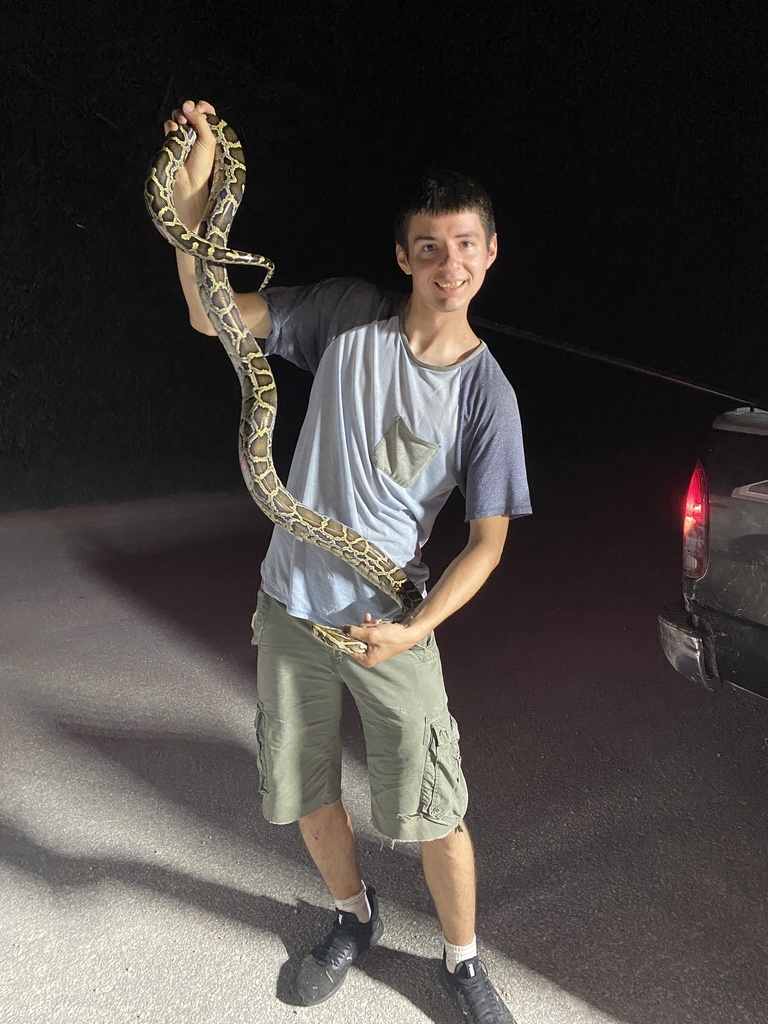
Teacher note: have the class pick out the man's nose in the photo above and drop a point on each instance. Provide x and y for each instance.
(451, 256)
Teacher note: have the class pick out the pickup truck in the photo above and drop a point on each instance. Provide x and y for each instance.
(717, 633)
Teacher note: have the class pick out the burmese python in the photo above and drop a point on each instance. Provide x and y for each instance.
(259, 396)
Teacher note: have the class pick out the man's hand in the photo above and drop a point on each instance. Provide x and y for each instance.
(384, 640)
(191, 191)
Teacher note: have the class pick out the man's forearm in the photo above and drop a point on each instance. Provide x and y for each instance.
(461, 580)
(459, 583)
(198, 318)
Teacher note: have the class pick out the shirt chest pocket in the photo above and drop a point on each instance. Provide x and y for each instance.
(402, 455)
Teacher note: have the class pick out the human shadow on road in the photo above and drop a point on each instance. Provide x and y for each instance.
(298, 928)
(207, 588)
(216, 782)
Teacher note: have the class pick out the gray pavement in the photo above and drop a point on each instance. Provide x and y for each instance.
(619, 814)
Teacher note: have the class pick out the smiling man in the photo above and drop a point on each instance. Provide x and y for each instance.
(407, 404)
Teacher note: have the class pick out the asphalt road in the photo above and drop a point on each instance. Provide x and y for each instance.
(619, 813)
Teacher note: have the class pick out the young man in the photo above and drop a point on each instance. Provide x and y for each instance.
(407, 404)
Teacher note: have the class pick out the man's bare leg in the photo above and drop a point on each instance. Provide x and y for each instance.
(330, 839)
(449, 869)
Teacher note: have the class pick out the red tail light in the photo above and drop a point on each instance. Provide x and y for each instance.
(696, 525)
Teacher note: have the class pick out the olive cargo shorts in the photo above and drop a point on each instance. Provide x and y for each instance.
(418, 790)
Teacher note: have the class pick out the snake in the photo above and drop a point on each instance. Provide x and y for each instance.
(209, 246)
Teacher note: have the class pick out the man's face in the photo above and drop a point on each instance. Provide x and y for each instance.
(447, 258)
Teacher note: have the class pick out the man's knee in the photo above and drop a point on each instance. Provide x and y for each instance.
(320, 817)
(456, 838)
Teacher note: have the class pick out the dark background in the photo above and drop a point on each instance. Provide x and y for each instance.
(624, 146)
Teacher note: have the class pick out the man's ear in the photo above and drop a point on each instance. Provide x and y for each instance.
(402, 259)
(493, 249)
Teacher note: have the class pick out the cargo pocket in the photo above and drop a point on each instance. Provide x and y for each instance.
(261, 752)
(257, 621)
(443, 789)
(401, 454)
(426, 650)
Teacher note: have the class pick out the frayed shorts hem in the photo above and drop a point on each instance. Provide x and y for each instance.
(445, 830)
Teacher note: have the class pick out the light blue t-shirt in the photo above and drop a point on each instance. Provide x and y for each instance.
(385, 440)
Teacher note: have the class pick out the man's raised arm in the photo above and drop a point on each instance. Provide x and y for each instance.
(190, 197)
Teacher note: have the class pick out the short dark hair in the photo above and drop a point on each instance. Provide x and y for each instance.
(440, 192)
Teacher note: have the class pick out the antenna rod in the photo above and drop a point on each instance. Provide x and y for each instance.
(565, 346)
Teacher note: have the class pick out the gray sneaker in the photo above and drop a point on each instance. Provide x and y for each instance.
(322, 971)
(472, 991)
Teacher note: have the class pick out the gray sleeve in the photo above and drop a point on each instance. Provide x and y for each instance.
(490, 455)
(306, 319)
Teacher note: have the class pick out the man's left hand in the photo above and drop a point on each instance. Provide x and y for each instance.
(384, 640)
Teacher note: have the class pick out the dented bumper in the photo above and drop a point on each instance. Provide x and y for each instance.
(684, 645)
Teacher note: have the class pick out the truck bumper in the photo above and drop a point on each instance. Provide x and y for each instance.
(683, 645)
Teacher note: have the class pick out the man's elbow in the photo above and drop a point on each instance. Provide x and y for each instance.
(491, 555)
(489, 535)
(495, 560)
(202, 326)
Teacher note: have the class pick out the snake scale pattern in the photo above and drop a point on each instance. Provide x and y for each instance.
(259, 395)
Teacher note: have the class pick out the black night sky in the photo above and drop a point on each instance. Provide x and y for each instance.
(624, 146)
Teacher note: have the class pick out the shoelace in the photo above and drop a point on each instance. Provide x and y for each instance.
(483, 1001)
(335, 948)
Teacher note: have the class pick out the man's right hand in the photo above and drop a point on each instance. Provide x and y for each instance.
(190, 197)
(191, 191)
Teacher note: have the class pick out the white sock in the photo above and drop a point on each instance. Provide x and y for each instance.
(455, 954)
(357, 905)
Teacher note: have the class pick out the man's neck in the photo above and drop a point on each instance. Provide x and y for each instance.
(438, 339)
